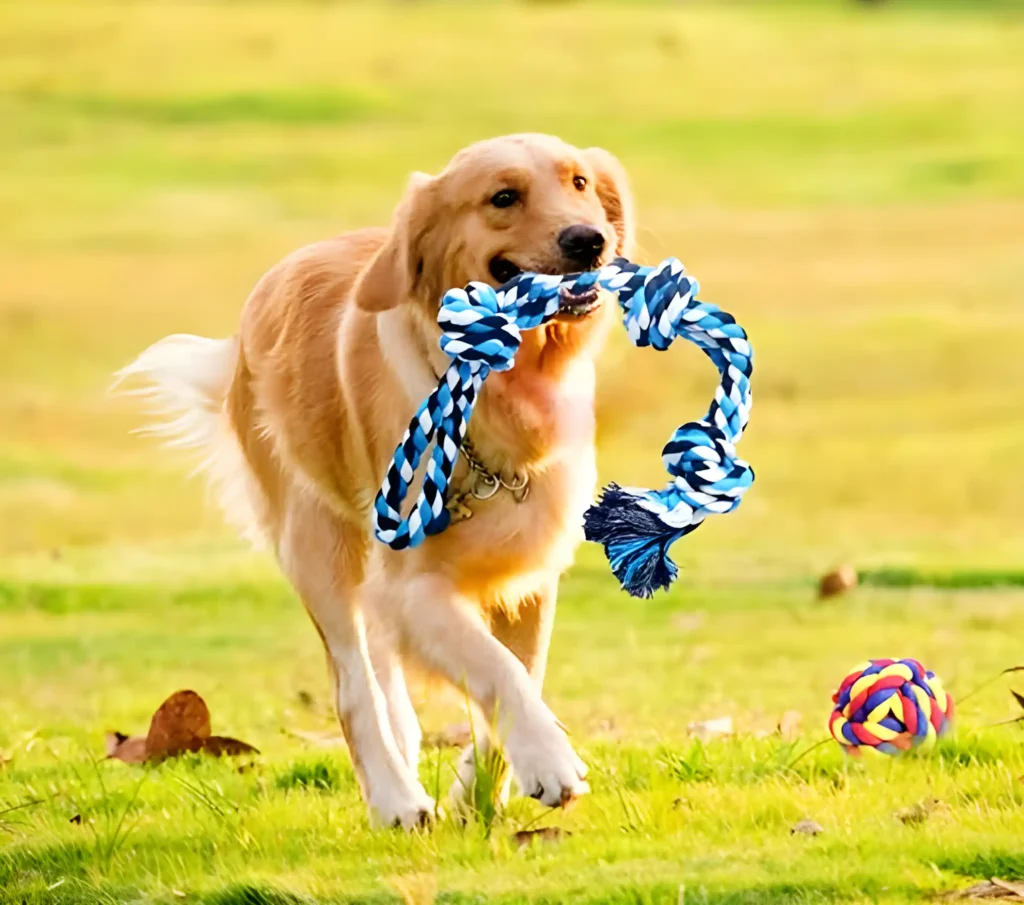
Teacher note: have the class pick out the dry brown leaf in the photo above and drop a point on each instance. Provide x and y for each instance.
(837, 581)
(180, 724)
(130, 749)
(806, 828)
(990, 889)
(789, 724)
(918, 812)
(457, 735)
(544, 834)
(219, 745)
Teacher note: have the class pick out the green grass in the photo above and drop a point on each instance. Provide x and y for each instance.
(915, 578)
(847, 180)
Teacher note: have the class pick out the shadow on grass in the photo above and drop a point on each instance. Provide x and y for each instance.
(669, 894)
(251, 894)
(280, 107)
(1005, 865)
(56, 872)
(61, 599)
(961, 580)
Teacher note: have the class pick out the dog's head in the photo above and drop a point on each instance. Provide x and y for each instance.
(501, 207)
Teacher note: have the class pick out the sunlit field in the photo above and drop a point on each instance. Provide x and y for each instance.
(846, 179)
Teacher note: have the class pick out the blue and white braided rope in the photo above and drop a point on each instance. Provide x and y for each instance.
(482, 332)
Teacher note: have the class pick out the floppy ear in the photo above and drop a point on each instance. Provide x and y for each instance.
(394, 272)
(616, 198)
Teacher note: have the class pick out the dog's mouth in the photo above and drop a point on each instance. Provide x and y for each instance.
(578, 304)
(572, 305)
(503, 270)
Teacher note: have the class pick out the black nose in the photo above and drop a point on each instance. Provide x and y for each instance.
(581, 244)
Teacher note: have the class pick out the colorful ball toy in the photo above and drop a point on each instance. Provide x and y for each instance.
(889, 706)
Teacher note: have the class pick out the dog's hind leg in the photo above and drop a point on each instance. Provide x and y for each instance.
(322, 558)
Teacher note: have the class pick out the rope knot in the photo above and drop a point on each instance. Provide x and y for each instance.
(479, 328)
(652, 313)
(708, 473)
(482, 332)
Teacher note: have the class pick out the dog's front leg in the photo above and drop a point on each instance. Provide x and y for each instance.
(320, 556)
(387, 666)
(448, 634)
(527, 633)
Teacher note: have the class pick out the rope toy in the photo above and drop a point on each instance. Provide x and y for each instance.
(482, 332)
(889, 706)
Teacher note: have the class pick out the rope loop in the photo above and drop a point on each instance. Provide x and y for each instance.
(482, 330)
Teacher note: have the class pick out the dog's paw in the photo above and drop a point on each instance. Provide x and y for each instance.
(407, 809)
(545, 765)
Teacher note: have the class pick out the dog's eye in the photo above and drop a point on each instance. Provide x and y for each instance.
(579, 182)
(505, 198)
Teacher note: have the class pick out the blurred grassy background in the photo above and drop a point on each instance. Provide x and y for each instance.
(846, 178)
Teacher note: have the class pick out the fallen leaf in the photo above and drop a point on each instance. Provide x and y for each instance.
(918, 812)
(994, 889)
(806, 827)
(457, 735)
(544, 834)
(130, 749)
(709, 729)
(837, 581)
(220, 745)
(789, 724)
(180, 724)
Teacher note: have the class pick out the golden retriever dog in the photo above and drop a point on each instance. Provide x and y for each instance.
(299, 413)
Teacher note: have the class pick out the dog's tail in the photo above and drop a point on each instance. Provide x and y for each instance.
(185, 382)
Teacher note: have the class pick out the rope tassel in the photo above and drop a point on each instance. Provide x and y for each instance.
(482, 331)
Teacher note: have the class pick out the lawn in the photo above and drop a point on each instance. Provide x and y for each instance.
(847, 179)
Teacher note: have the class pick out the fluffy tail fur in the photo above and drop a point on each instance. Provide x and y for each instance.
(185, 381)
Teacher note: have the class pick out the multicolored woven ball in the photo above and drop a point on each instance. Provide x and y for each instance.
(890, 706)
